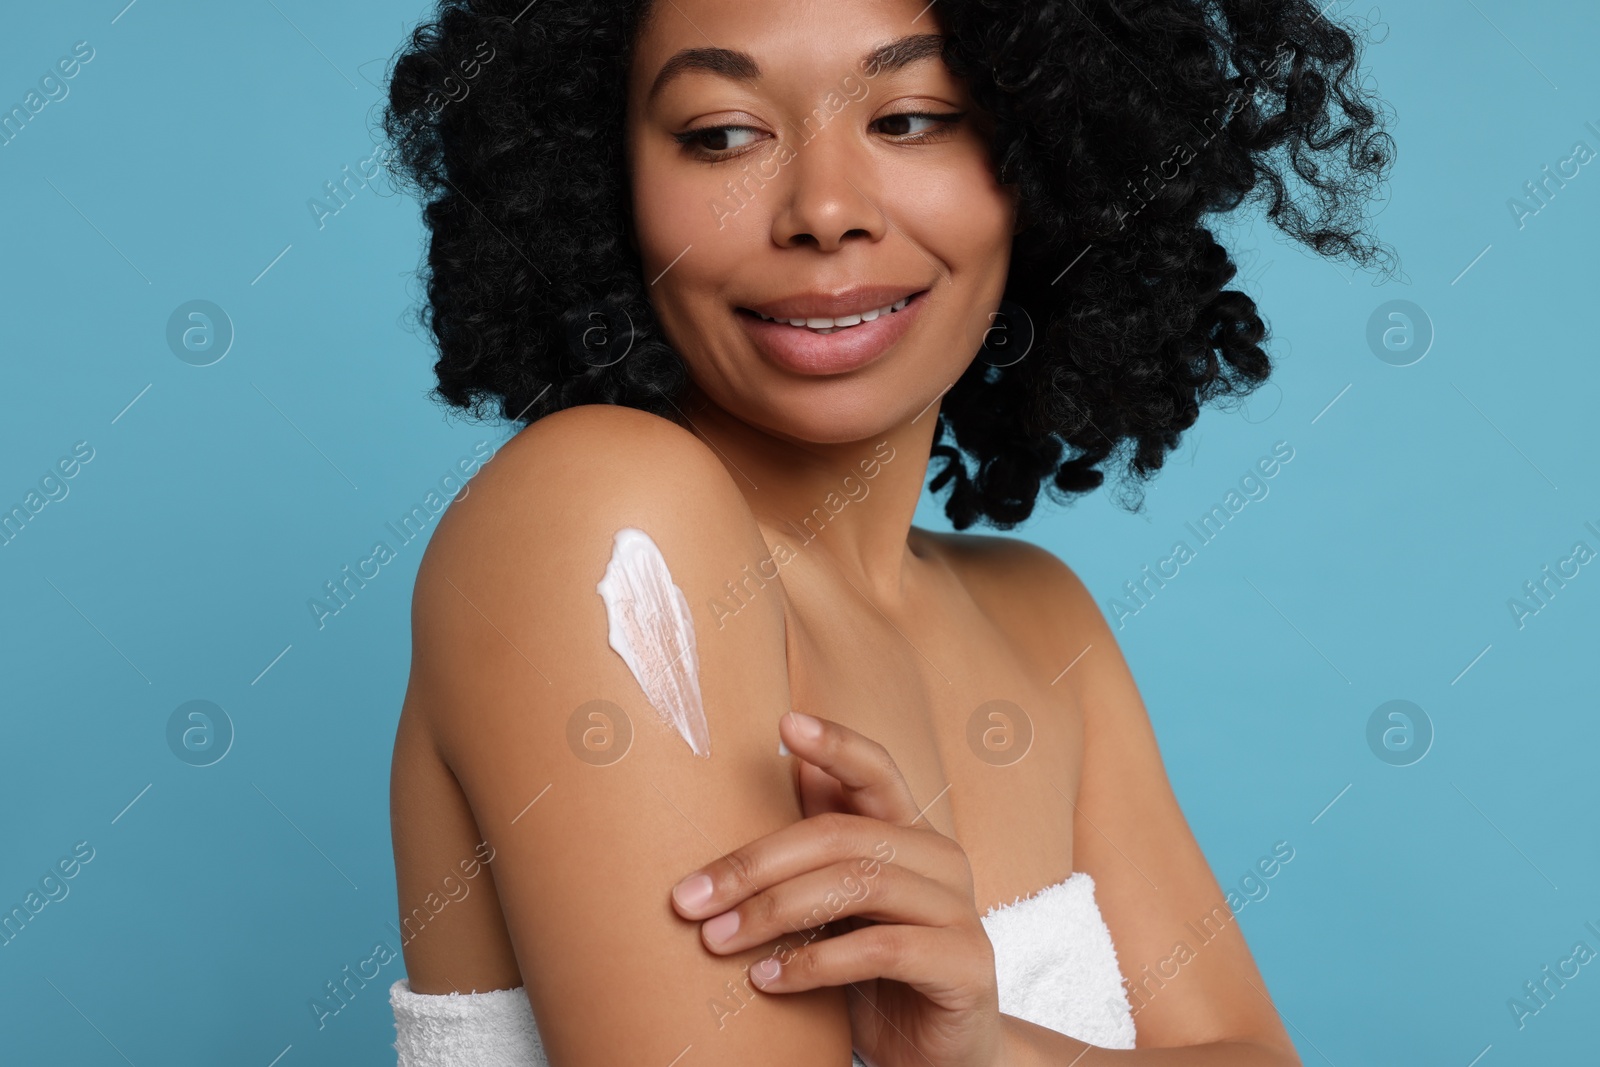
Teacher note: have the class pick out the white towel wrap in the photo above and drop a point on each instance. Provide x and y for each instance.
(1054, 961)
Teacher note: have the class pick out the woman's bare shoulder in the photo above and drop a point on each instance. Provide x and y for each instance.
(564, 472)
(599, 426)
(1018, 580)
(547, 507)
(580, 454)
(996, 556)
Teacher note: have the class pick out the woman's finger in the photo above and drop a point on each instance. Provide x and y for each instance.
(933, 960)
(819, 790)
(867, 889)
(870, 781)
(806, 846)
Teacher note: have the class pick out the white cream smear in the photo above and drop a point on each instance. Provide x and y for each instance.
(650, 628)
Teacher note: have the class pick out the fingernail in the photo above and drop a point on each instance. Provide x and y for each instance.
(693, 891)
(783, 749)
(766, 971)
(808, 727)
(722, 927)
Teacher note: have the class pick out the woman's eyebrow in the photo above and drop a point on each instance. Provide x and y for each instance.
(742, 66)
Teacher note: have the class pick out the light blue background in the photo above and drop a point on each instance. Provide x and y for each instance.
(1379, 567)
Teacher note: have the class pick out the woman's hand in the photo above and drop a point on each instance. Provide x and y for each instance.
(908, 942)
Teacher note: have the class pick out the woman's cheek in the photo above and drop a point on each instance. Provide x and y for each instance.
(668, 210)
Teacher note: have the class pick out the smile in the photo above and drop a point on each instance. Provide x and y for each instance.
(827, 326)
(823, 345)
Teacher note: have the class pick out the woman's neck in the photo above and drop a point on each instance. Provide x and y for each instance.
(852, 502)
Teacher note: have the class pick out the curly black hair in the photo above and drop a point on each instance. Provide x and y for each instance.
(1125, 124)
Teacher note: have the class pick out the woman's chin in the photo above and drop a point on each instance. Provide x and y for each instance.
(870, 418)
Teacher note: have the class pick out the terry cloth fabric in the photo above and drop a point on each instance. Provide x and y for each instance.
(493, 1029)
(1054, 962)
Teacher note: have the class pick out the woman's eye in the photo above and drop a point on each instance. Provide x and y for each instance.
(909, 117)
(714, 143)
(716, 139)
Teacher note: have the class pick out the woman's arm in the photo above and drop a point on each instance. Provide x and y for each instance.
(510, 639)
(1152, 881)
(1028, 1045)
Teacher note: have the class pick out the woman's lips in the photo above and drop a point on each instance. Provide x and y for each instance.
(802, 350)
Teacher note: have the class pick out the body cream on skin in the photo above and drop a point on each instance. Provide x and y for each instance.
(649, 626)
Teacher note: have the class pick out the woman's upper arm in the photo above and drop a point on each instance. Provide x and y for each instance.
(1152, 880)
(510, 641)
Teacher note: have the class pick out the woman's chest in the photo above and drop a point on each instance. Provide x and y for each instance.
(980, 732)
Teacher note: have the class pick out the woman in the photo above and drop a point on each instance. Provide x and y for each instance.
(744, 268)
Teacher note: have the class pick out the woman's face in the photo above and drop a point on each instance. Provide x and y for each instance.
(775, 169)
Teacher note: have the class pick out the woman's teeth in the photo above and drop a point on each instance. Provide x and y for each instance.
(826, 326)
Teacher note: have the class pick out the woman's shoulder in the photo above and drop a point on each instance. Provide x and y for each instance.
(591, 460)
(518, 557)
(572, 447)
(596, 425)
(1029, 592)
(1018, 570)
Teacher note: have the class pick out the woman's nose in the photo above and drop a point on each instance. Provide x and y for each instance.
(829, 191)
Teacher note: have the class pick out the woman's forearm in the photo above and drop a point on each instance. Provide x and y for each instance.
(1031, 1045)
